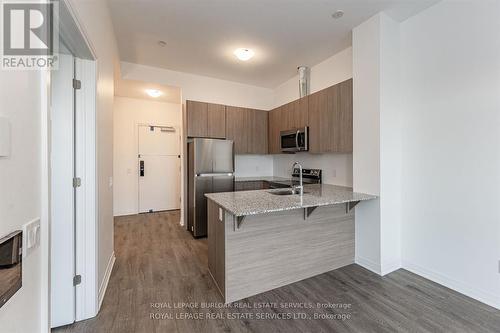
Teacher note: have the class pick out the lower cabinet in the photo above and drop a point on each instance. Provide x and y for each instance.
(251, 185)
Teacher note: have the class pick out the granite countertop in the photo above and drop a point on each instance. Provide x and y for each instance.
(261, 201)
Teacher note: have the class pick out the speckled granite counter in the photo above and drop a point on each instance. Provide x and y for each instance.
(262, 201)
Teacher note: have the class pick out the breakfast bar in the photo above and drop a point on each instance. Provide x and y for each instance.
(265, 239)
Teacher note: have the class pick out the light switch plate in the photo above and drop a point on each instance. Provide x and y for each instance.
(220, 214)
(31, 237)
(4, 137)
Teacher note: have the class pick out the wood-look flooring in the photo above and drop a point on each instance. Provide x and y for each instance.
(157, 261)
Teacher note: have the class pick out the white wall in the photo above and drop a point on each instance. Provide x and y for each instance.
(366, 140)
(331, 71)
(377, 142)
(20, 191)
(451, 146)
(95, 20)
(128, 113)
(337, 168)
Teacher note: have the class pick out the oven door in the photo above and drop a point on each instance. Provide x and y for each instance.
(294, 140)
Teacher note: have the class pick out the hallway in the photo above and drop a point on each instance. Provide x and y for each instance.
(158, 264)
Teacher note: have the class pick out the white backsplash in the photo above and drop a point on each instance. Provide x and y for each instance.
(337, 168)
(253, 165)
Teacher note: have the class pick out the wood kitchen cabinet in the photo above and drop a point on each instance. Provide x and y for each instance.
(237, 123)
(257, 138)
(295, 114)
(206, 120)
(275, 125)
(216, 121)
(197, 119)
(248, 129)
(330, 119)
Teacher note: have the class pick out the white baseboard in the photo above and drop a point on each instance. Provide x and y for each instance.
(368, 264)
(390, 267)
(105, 281)
(468, 290)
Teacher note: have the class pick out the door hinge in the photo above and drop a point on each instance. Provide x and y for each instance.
(77, 84)
(77, 182)
(77, 279)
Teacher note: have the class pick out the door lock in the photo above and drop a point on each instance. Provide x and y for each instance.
(141, 168)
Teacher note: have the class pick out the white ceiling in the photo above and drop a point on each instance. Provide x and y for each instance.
(201, 35)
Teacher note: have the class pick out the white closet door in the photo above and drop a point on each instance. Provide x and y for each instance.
(62, 265)
(159, 169)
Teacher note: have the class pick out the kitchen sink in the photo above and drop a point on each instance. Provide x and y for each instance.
(286, 192)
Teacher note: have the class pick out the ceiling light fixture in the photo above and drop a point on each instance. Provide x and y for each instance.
(154, 93)
(338, 14)
(162, 43)
(244, 54)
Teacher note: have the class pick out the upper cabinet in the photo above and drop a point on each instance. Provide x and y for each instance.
(296, 114)
(274, 130)
(236, 128)
(258, 124)
(216, 121)
(197, 119)
(330, 119)
(206, 120)
(328, 113)
(248, 129)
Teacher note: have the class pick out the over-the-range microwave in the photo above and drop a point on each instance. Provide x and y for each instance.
(294, 140)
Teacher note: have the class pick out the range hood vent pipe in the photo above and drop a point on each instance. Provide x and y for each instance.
(303, 81)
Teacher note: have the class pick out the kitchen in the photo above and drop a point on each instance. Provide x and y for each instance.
(316, 123)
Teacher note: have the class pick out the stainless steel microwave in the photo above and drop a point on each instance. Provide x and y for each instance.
(294, 140)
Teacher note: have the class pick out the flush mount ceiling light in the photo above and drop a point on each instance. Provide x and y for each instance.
(244, 54)
(154, 93)
(162, 43)
(338, 14)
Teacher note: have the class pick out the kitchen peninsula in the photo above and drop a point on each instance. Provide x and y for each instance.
(265, 239)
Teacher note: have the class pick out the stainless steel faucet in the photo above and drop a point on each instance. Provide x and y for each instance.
(301, 186)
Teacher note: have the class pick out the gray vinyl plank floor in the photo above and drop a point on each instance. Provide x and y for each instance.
(159, 264)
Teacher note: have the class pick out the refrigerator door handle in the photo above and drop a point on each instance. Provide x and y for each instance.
(229, 174)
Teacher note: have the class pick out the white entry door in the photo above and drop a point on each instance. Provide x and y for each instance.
(159, 169)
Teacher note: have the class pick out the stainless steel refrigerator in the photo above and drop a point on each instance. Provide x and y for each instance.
(210, 170)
